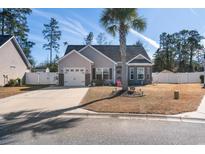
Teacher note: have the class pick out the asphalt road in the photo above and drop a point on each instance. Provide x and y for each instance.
(99, 131)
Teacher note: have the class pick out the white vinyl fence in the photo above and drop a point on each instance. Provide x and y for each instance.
(170, 77)
(41, 78)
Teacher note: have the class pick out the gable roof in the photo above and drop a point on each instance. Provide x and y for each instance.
(6, 38)
(74, 51)
(113, 51)
(140, 61)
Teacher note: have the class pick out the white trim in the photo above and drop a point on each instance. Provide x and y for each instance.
(143, 73)
(74, 51)
(140, 64)
(114, 73)
(130, 73)
(21, 50)
(97, 52)
(6, 42)
(138, 56)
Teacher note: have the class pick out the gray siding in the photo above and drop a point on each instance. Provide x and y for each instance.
(99, 60)
(135, 81)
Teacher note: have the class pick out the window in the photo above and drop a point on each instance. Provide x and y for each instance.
(148, 73)
(72, 70)
(140, 73)
(77, 70)
(105, 73)
(66, 70)
(99, 72)
(102, 73)
(12, 67)
(131, 74)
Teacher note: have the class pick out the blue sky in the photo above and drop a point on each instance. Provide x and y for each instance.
(75, 24)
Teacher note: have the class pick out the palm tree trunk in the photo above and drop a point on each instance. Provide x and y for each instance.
(123, 57)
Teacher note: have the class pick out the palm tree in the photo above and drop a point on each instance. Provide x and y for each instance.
(121, 20)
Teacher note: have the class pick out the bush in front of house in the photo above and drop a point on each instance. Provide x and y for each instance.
(13, 83)
(202, 78)
(102, 83)
(97, 83)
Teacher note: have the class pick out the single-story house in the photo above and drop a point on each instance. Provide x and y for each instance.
(83, 64)
(13, 62)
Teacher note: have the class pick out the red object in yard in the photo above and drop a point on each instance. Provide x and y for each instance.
(118, 83)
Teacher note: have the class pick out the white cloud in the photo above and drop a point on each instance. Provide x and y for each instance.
(66, 24)
(193, 12)
(149, 40)
(94, 26)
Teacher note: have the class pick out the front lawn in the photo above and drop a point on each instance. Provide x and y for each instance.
(158, 99)
(9, 91)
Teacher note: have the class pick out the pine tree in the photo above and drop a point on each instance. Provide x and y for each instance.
(89, 38)
(52, 35)
(14, 22)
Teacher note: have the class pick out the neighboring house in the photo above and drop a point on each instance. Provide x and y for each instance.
(13, 62)
(83, 64)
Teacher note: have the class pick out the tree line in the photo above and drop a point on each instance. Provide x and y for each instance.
(182, 51)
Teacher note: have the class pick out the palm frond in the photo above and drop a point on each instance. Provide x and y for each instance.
(139, 23)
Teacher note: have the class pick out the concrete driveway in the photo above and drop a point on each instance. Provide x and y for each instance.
(47, 99)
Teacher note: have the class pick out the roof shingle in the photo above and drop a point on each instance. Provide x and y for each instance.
(4, 38)
(113, 51)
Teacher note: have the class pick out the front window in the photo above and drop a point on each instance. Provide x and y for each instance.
(131, 75)
(102, 73)
(105, 73)
(99, 72)
(140, 73)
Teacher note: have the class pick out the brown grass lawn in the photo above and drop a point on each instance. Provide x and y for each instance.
(158, 99)
(9, 91)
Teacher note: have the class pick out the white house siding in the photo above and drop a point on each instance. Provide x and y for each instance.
(99, 60)
(11, 63)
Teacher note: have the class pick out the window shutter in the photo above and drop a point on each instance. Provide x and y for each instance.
(110, 72)
(93, 73)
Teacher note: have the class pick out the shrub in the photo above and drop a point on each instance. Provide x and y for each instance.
(13, 82)
(102, 83)
(97, 83)
(202, 78)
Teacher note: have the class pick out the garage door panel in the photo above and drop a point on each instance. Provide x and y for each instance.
(74, 77)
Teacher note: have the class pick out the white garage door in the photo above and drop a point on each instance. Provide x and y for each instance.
(74, 76)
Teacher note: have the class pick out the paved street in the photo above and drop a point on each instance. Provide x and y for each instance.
(62, 130)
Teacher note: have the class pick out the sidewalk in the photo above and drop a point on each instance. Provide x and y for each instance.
(199, 113)
(196, 116)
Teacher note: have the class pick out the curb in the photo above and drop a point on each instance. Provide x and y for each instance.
(129, 116)
(137, 117)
